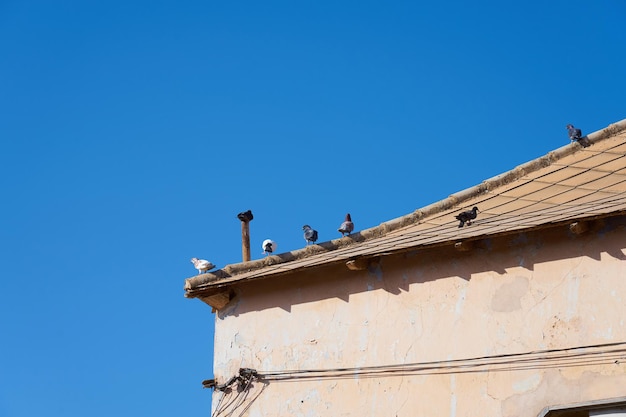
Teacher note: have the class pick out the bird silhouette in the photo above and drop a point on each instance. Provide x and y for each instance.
(466, 217)
(269, 246)
(347, 226)
(575, 135)
(202, 265)
(310, 235)
(245, 216)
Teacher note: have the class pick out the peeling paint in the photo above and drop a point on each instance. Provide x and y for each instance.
(363, 338)
(507, 297)
(453, 398)
(377, 271)
(461, 299)
(573, 288)
(527, 384)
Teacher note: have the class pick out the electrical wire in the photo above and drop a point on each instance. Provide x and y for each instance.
(219, 411)
(241, 397)
(540, 359)
(253, 400)
(589, 355)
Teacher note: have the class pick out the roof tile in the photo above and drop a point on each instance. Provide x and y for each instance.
(569, 183)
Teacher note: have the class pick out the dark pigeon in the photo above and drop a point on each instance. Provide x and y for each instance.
(245, 216)
(575, 135)
(466, 217)
(347, 226)
(310, 235)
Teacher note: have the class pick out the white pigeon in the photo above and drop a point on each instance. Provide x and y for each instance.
(269, 246)
(202, 265)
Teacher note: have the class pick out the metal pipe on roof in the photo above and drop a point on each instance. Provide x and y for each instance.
(245, 217)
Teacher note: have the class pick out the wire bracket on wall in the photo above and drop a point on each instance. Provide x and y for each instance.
(243, 380)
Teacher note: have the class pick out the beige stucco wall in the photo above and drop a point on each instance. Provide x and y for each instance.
(538, 291)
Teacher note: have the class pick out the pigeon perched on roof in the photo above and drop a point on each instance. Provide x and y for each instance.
(347, 226)
(310, 235)
(202, 265)
(575, 135)
(269, 246)
(466, 217)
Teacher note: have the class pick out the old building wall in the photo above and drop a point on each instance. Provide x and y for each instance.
(486, 309)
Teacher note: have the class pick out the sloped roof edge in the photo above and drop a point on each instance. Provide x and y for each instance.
(459, 197)
(452, 201)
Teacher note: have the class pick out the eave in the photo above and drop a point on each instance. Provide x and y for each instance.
(567, 187)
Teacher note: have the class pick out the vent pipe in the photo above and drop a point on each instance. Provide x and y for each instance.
(245, 217)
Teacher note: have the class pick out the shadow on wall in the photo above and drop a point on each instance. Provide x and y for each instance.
(397, 273)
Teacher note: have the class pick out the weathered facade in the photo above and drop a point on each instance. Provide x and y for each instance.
(520, 314)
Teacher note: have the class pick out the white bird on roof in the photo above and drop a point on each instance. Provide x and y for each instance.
(269, 246)
(202, 265)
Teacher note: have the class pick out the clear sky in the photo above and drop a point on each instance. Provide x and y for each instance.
(133, 132)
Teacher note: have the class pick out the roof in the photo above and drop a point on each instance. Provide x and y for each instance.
(571, 182)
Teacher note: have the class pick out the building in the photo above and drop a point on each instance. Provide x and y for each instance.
(521, 313)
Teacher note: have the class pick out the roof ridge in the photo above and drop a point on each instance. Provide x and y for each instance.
(499, 180)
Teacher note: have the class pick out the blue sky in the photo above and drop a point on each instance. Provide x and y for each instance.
(133, 132)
